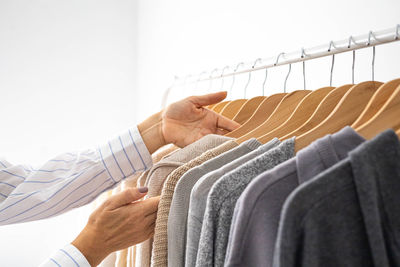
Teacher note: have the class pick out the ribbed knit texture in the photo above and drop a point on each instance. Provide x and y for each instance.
(160, 171)
(160, 246)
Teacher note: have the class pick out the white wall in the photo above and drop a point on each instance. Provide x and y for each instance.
(67, 82)
(179, 37)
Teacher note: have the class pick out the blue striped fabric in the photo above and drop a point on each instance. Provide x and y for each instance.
(69, 180)
(68, 256)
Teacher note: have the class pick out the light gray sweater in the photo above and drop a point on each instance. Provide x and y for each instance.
(222, 199)
(177, 218)
(198, 199)
(348, 215)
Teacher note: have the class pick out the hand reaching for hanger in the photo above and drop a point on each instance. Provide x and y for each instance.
(185, 121)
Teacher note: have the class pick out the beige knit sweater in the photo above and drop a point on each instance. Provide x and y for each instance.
(133, 181)
(159, 256)
(160, 171)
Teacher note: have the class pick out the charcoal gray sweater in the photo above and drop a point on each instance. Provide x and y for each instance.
(256, 218)
(222, 199)
(349, 215)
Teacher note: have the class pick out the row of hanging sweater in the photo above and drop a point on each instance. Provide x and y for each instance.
(311, 178)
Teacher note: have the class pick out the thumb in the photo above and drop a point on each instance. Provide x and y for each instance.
(125, 197)
(209, 99)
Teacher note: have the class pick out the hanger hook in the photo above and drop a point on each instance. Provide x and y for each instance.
(223, 78)
(248, 81)
(371, 34)
(199, 78)
(234, 74)
(211, 79)
(290, 68)
(277, 58)
(373, 63)
(265, 80)
(331, 44)
(351, 39)
(397, 32)
(303, 55)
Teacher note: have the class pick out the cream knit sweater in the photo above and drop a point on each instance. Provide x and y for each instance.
(159, 256)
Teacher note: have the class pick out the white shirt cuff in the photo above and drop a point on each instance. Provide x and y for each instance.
(65, 257)
(125, 155)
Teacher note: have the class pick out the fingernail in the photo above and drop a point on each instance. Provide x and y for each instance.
(143, 189)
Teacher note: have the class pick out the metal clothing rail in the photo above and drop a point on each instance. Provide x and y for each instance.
(334, 47)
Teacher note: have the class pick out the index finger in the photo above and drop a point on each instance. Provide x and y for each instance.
(149, 205)
(226, 124)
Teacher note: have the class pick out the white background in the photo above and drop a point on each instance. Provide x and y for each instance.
(74, 73)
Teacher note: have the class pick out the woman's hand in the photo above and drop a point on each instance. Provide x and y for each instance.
(188, 120)
(185, 122)
(121, 221)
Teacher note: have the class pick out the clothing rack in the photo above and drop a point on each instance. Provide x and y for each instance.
(333, 47)
(353, 43)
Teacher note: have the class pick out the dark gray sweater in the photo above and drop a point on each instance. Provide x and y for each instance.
(222, 199)
(349, 215)
(256, 218)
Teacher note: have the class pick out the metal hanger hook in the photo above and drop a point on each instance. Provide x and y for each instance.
(223, 78)
(265, 80)
(351, 39)
(234, 74)
(331, 44)
(248, 81)
(303, 55)
(371, 34)
(290, 68)
(211, 79)
(277, 58)
(373, 63)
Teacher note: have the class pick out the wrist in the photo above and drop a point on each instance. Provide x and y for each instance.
(91, 249)
(151, 132)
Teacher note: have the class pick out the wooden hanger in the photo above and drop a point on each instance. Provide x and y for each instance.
(280, 114)
(232, 108)
(377, 101)
(219, 106)
(211, 106)
(248, 109)
(261, 114)
(323, 110)
(303, 111)
(387, 117)
(345, 113)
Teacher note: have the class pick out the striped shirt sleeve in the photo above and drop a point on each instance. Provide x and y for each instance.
(69, 256)
(69, 180)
